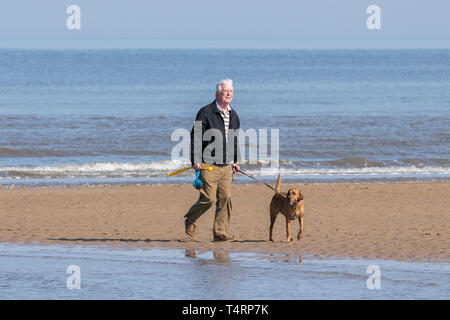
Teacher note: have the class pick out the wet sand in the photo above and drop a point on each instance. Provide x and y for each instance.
(397, 221)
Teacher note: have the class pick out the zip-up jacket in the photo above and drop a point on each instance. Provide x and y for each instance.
(210, 118)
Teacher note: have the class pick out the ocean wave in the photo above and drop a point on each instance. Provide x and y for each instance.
(162, 168)
(7, 152)
(42, 153)
(411, 170)
(98, 169)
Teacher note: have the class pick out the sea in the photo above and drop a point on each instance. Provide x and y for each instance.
(89, 117)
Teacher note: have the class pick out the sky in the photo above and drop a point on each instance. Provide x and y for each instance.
(290, 24)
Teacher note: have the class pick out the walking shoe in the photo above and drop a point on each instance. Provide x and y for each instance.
(190, 230)
(224, 238)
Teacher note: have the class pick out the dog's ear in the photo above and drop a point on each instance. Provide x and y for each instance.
(300, 195)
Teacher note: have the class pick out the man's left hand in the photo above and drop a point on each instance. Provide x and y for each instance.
(236, 168)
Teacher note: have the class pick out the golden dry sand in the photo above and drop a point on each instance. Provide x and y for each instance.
(401, 221)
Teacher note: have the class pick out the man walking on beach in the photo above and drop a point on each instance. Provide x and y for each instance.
(221, 118)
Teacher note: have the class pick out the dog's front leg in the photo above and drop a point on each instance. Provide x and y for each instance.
(288, 230)
(300, 232)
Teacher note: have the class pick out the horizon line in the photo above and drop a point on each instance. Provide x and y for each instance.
(396, 42)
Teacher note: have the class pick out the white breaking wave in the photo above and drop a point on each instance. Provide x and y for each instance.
(353, 171)
(99, 169)
(162, 168)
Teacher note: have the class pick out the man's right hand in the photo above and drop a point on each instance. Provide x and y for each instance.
(197, 166)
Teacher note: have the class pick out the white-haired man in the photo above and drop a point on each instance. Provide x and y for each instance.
(216, 186)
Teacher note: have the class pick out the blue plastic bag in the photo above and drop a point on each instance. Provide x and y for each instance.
(198, 184)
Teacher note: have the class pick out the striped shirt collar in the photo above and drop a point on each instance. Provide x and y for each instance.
(220, 108)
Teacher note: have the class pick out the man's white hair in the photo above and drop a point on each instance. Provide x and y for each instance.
(221, 82)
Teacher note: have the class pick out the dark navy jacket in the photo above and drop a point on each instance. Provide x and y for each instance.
(211, 119)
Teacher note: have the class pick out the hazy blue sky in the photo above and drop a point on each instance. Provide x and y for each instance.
(225, 24)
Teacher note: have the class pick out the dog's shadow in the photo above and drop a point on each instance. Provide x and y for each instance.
(250, 241)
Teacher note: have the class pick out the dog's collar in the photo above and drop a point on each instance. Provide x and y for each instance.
(294, 203)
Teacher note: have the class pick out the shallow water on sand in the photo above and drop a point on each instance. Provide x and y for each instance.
(39, 272)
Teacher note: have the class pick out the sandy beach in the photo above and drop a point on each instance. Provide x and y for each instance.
(398, 221)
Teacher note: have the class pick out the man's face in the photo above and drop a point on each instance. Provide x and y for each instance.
(226, 95)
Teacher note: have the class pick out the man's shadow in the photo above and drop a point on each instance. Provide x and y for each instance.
(135, 240)
(113, 240)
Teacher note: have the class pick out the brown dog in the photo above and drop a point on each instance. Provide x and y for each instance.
(291, 205)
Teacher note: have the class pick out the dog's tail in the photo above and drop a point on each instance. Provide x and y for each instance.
(277, 187)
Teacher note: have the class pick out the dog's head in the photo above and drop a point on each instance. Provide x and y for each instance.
(294, 196)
